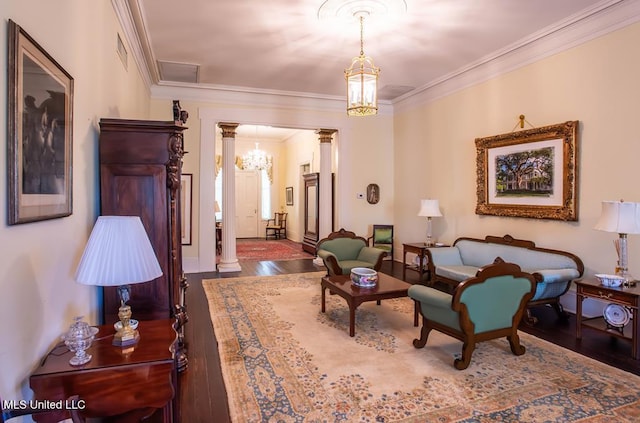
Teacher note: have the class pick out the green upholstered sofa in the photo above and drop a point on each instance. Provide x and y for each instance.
(487, 306)
(343, 250)
(553, 270)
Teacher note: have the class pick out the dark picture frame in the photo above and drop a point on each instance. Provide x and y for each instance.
(39, 132)
(186, 209)
(373, 193)
(531, 173)
(289, 195)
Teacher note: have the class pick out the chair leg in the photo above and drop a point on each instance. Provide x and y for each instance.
(424, 335)
(562, 315)
(514, 342)
(464, 361)
(529, 318)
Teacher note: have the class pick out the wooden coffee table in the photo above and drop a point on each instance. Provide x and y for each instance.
(388, 287)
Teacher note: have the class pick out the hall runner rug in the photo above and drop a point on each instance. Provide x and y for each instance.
(283, 249)
(285, 361)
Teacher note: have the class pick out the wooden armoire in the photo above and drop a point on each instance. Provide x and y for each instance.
(140, 170)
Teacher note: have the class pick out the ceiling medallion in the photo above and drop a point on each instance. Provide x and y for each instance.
(350, 9)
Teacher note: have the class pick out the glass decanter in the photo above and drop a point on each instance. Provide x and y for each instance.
(78, 339)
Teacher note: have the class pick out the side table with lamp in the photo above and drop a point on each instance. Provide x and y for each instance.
(619, 290)
(129, 371)
(121, 384)
(428, 208)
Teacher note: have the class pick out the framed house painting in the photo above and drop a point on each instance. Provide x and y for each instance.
(531, 173)
(39, 132)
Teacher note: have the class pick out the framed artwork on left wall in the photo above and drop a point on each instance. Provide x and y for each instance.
(39, 132)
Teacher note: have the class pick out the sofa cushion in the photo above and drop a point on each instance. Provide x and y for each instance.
(457, 273)
(347, 265)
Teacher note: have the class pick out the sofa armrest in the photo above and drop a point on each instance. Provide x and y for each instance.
(372, 255)
(555, 275)
(430, 297)
(331, 262)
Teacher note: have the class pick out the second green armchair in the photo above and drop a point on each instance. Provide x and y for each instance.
(343, 250)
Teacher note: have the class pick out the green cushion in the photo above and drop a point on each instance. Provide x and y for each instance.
(382, 236)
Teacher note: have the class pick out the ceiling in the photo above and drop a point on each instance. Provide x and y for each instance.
(284, 46)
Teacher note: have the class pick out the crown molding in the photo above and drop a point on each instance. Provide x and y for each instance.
(603, 18)
(132, 22)
(241, 96)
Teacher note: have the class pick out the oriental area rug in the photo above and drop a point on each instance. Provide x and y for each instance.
(285, 361)
(282, 249)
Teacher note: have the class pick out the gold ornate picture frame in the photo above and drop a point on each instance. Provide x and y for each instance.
(531, 173)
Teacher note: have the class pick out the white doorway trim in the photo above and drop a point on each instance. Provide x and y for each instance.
(289, 118)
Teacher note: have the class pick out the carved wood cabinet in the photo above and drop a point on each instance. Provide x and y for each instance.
(140, 169)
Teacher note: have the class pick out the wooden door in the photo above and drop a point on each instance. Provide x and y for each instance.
(247, 203)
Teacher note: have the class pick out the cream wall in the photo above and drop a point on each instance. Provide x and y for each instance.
(40, 296)
(596, 83)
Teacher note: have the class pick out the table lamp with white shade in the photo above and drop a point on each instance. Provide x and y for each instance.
(429, 208)
(623, 218)
(119, 253)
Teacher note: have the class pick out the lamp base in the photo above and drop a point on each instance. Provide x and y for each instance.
(124, 338)
(125, 335)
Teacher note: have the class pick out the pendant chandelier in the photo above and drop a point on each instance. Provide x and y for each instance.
(362, 81)
(256, 160)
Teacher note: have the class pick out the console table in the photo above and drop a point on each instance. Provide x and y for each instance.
(121, 384)
(625, 296)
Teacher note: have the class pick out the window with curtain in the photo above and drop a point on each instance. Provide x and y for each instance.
(218, 196)
(266, 195)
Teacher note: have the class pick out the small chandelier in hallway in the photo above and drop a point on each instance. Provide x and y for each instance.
(256, 160)
(362, 81)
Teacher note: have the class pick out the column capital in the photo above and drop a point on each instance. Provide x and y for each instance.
(228, 129)
(325, 135)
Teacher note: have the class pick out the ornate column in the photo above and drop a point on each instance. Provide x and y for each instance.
(325, 182)
(229, 260)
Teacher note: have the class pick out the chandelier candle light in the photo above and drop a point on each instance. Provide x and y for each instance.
(119, 253)
(429, 209)
(623, 218)
(362, 80)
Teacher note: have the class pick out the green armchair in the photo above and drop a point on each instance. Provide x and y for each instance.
(488, 306)
(343, 250)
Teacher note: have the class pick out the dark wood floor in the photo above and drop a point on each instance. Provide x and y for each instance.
(202, 393)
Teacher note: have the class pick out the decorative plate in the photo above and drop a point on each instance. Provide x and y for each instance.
(616, 315)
